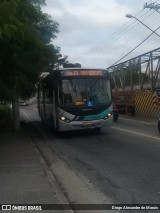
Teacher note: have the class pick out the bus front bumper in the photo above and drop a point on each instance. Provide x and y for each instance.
(79, 125)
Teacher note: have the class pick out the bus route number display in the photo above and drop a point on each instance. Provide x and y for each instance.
(82, 73)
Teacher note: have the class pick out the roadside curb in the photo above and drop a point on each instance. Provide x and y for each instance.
(47, 158)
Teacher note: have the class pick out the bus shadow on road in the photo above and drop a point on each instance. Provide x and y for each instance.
(79, 134)
(48, 131)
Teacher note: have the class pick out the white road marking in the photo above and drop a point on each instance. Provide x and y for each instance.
(137, 133)
(141, 121)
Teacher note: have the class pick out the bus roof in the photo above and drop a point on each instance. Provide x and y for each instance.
(82, 68)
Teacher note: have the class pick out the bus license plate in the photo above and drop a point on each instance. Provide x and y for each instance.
(85, 123)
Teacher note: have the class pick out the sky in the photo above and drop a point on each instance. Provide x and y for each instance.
(96, 33)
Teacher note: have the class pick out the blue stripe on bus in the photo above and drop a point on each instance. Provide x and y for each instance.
(93, 117)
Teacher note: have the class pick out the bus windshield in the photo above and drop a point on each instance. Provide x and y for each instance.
(84, 92)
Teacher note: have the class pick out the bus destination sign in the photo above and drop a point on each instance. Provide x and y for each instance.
(82, 73)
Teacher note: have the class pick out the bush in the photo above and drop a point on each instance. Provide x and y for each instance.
(4, 112)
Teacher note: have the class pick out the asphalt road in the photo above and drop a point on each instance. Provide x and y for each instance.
(120, 165)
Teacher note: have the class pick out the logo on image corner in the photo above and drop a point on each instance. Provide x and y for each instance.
(6, 207)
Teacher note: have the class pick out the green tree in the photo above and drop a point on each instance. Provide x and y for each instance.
(25, 49)
(71, 65)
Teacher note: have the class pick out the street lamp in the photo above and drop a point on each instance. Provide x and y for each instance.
(130, 16)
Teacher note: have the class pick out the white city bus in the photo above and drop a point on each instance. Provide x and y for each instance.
(75, 98)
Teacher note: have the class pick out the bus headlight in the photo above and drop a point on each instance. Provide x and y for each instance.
(108, 116)
(62, 118)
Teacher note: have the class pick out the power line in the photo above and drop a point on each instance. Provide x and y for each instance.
(130, 27)
(104, 41)
(136, 47)
(103, 44)
(121, 35)
(139, 44)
